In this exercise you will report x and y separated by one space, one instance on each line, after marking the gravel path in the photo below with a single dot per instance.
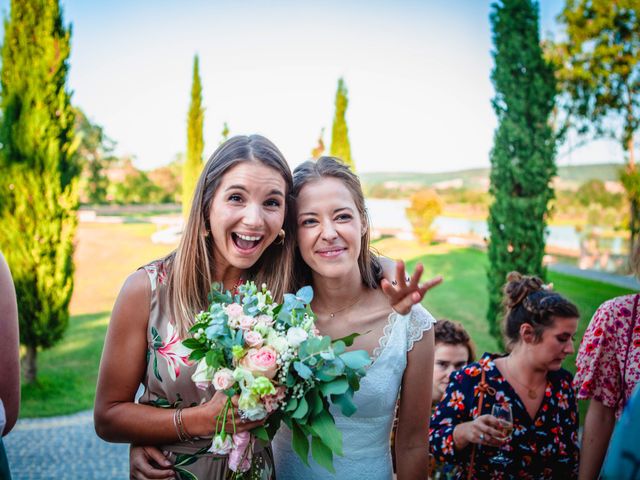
64 447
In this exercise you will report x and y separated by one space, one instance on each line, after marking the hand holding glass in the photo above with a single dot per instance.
502 411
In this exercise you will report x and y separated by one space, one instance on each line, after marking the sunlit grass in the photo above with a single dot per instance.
67 373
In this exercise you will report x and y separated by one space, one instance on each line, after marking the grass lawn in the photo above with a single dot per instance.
462 295
106 254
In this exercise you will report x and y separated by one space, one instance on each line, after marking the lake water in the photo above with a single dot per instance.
390 214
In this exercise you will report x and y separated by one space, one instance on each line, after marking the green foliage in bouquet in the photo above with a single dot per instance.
312 371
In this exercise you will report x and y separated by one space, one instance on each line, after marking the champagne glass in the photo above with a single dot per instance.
502 411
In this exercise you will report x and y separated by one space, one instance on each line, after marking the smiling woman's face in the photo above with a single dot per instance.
247 213
329 228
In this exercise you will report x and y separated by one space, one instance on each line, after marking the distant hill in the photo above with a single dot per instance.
477 177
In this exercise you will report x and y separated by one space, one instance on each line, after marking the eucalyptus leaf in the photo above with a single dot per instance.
345 402
336 387
333 368
304 371
325 343
328 355
305 294
356 359
339 347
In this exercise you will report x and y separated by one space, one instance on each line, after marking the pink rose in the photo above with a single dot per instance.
271 402
246 322
223 379
261 362
234 310
253 339
239 461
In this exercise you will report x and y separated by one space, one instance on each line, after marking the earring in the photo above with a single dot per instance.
281 235
206 233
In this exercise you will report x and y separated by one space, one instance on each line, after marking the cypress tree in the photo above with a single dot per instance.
522 158
340 146
195 143
38 171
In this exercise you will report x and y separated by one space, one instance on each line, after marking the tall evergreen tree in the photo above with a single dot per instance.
195 143
38 171
340 146
523 154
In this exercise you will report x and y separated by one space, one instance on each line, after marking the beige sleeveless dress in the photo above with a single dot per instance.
167 384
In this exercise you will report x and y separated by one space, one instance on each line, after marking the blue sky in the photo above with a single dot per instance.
417 74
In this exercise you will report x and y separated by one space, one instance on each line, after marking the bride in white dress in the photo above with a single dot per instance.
333 242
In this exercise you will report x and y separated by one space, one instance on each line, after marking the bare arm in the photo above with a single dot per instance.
117 418
9 347
412 438
598 426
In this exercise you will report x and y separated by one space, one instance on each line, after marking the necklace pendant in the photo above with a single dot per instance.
532 394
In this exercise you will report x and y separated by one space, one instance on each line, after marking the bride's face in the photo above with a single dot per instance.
329 228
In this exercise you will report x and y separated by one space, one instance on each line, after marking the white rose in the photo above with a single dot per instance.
296 335
223 379
252 414
221 446
276 341
203 375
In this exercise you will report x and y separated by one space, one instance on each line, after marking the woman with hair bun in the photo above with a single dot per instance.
539 329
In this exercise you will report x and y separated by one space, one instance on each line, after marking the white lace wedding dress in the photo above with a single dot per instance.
365 435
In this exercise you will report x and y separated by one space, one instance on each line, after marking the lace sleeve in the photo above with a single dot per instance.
420 321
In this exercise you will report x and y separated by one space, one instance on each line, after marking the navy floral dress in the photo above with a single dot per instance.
545 447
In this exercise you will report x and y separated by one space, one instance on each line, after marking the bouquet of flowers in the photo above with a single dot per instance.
273 357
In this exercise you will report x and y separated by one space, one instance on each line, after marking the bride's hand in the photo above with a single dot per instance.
404 292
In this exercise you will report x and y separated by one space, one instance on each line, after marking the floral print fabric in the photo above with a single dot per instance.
611 336
167 384
544 447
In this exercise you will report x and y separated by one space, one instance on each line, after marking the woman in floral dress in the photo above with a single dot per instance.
608 369
539 327
235 231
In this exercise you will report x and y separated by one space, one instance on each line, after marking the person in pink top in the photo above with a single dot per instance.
608 368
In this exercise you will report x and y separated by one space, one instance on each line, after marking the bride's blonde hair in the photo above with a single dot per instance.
191 269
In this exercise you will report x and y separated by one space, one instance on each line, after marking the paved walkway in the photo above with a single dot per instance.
626 281
64 447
